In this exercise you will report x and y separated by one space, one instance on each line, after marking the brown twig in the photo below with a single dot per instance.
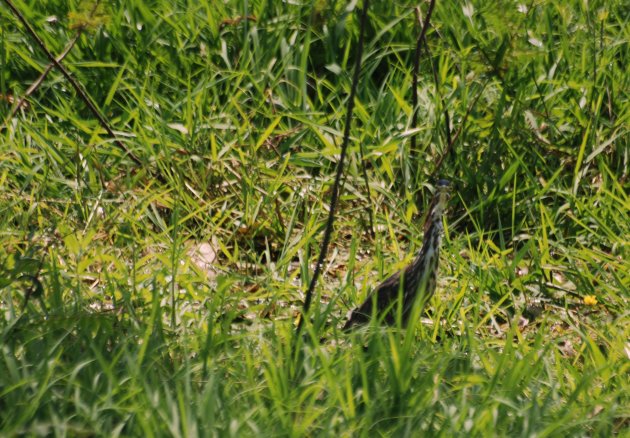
335 188
79 89
449 147
35 85
436 80
416 67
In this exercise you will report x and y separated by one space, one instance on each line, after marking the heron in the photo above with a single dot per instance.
407 291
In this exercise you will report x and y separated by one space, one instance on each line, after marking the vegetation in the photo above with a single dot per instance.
151 287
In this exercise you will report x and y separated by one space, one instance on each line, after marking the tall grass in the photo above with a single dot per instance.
113 324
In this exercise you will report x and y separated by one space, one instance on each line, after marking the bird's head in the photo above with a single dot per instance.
438 204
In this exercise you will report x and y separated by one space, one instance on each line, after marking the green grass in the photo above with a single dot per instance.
238 124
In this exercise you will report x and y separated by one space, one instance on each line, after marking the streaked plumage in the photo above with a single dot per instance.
418 279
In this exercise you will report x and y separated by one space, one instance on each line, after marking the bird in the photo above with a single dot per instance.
416 283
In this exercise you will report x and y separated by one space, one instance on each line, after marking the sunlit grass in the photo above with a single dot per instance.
114 324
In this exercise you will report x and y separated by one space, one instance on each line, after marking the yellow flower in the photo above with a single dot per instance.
590 300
